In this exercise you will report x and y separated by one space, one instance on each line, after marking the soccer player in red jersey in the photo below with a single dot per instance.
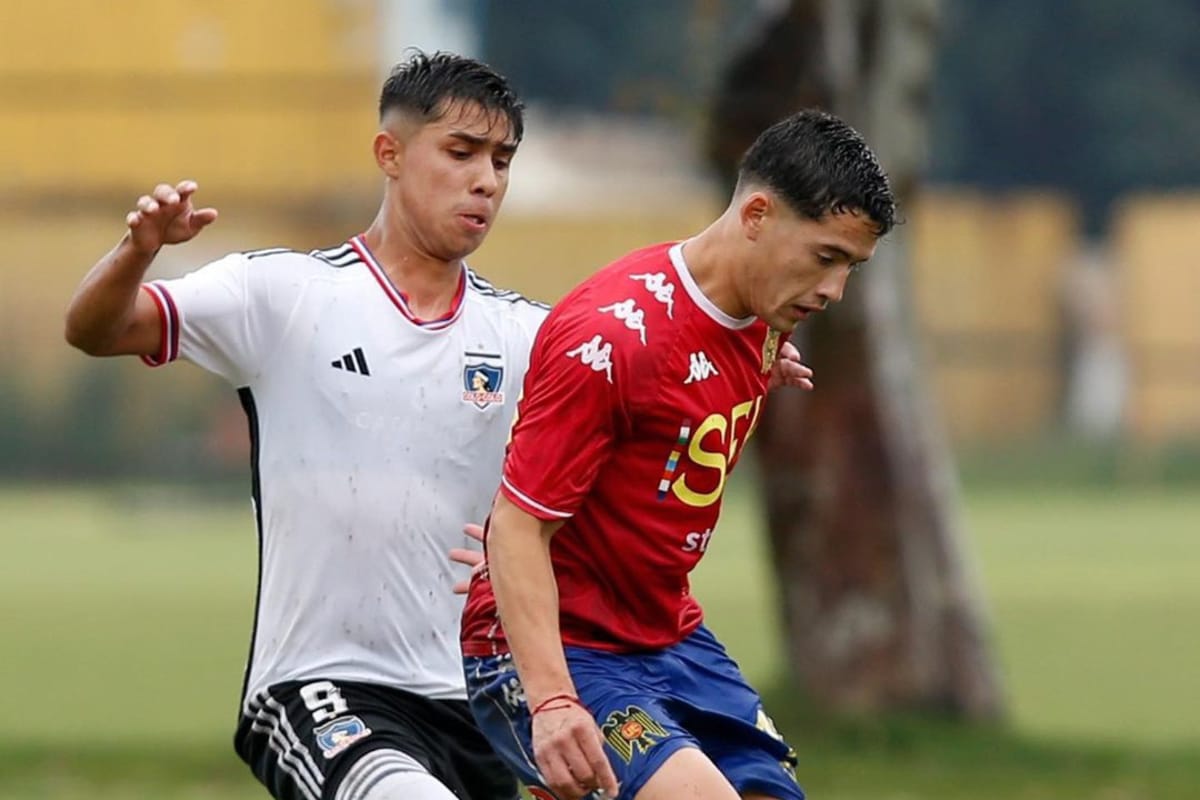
587 662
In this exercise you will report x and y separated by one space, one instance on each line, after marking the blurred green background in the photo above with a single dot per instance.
127 613
1056 275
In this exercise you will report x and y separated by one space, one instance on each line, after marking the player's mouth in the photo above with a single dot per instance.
800 312
474 222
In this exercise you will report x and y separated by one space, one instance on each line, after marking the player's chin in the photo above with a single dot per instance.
460 247
780 322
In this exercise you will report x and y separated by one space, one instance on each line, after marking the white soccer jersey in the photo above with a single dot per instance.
375 437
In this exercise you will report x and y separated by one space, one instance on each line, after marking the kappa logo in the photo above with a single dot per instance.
631 732
628 312
664 292
336 736
700 368
595 353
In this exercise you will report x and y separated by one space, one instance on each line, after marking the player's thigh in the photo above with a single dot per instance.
639 734
467 758
624 693
713 699
498 705
687 774
302 738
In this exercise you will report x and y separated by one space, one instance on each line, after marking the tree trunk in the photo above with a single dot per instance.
881 610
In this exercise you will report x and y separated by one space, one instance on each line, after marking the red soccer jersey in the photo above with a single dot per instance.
639 398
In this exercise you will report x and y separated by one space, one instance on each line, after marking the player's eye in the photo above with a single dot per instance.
501 164
460 155
825 260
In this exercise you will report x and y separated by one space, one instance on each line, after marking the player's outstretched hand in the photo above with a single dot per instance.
789 370
166 216
569 750
472 558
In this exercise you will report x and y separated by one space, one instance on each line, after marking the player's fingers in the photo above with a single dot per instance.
462 587
133 219
593 751
794 373
796 368
788 351
580 760
557 774
461 555
474 531
186 188
204 217
147 204
165 194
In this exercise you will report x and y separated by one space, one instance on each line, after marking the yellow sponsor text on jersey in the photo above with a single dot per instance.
733 430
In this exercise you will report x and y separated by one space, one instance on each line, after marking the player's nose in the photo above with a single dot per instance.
830 290
486 181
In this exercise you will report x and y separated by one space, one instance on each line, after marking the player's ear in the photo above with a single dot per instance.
752 212
388 153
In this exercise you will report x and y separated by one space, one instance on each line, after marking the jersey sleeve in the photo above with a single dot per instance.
218 317
574 408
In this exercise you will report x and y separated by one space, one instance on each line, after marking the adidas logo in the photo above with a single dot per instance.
352 362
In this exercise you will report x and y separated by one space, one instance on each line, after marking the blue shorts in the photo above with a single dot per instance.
648 705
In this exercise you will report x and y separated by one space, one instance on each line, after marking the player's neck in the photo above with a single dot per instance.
707 258
429 284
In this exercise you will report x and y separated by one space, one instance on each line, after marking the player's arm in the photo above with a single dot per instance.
527 598
108 315
568 746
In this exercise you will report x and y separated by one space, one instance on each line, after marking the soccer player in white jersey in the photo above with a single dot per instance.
379 378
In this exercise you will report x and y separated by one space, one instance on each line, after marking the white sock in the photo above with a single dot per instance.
390 775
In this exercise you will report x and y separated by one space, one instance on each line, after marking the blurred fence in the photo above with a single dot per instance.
270 105
990 287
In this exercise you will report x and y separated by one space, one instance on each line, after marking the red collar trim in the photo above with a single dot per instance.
398 297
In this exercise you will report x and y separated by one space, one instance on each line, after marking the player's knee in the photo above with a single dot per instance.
390 775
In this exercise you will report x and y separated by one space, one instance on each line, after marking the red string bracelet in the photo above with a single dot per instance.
564 700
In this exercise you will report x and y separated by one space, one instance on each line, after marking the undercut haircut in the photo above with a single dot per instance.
820 165
427 85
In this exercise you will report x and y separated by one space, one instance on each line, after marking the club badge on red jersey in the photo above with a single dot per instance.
770 350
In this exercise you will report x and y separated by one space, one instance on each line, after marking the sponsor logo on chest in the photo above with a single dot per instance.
711 447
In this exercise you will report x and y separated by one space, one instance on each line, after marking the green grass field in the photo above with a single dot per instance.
124 622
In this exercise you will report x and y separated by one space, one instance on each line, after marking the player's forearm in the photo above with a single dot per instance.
527 600
102 308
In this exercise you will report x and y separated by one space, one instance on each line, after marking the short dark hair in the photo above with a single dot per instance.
425 85
820 165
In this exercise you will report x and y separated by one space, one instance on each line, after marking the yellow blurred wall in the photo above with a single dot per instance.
987 275
260 96
271 103
1157 247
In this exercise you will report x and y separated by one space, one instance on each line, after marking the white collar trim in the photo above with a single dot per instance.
706 305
